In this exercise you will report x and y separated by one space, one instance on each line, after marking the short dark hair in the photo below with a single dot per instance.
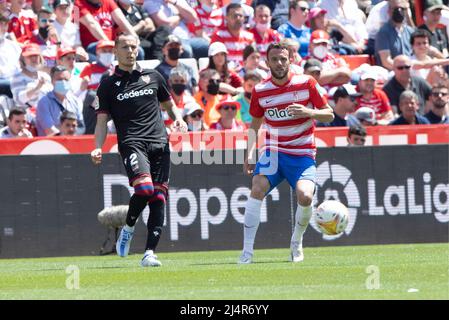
57 69
251 75
293 4
232 6
67 115
357 130
440 85
121 34
276 45
16 112
249 50
420 33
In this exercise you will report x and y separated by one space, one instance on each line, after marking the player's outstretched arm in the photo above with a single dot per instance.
101 130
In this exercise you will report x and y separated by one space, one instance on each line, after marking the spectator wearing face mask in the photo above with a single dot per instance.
105 57
29 85
207 96
263 34
250 80
335 70
172 51
393 38
177 82
193 116
47 38
54 103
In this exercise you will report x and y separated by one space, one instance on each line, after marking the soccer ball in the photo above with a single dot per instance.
331 217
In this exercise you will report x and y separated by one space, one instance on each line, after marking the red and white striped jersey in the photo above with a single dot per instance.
286 133
379 102
235 45
263 43
208 21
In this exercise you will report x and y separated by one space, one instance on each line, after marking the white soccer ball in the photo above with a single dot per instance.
331 217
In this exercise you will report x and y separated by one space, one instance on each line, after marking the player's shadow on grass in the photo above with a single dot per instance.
88 268
235 263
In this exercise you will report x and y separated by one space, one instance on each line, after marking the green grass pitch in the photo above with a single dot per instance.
413 271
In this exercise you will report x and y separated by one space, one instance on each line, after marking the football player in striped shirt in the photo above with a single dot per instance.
288 104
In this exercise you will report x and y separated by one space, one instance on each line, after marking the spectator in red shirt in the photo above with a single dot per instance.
218 60
263 34
335 70
22 23
234 37
228 111
374 98
98 19
210 17
47 38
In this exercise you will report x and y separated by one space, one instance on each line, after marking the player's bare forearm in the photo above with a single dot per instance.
325 114
173 112
101 130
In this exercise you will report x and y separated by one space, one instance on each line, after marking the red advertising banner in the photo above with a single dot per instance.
324 137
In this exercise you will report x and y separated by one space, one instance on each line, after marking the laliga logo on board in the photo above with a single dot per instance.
340 177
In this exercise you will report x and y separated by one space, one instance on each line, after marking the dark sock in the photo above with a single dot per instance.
136 205
155 223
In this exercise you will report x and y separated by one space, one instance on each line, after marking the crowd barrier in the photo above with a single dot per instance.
324 137
395 194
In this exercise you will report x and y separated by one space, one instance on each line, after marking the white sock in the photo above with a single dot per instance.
251 223
302 218
150 252
128 228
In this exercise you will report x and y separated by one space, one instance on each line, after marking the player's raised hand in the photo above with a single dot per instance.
180 126
96 156
248 168
299 111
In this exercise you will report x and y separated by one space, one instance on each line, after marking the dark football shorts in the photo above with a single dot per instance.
146 159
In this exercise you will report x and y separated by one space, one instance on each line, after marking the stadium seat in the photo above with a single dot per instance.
355 61
149 64
203 63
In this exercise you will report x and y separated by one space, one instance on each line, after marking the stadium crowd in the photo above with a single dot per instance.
54 54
